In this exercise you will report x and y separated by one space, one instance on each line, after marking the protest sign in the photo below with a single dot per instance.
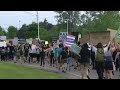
46 42
75 49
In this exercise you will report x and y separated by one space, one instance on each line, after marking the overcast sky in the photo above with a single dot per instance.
18 18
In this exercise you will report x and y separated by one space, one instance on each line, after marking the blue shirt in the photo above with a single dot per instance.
59 51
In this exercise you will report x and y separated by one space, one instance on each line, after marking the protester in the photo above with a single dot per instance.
63 57
69 60
12 52
26 51
84 61
17 54
38 53
21 48
42 57
59 59
56 55
33 53
51 56
100 60
30 54
108 62
93 57
117 60
3 54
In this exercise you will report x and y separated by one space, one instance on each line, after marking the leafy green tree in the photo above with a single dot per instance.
73 18
12 32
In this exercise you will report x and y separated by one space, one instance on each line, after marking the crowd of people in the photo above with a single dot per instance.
105 59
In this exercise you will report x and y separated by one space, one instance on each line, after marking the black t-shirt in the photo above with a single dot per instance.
85 55
42 54
11 49
64 54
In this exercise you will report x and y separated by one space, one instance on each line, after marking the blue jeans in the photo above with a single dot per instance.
69 63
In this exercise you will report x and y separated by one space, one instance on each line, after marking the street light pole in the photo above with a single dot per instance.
19 24
38 25
67 26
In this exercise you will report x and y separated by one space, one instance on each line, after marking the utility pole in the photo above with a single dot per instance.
67 26
38 25
19 24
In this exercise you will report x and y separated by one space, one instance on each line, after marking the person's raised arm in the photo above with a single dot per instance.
109 44
116 56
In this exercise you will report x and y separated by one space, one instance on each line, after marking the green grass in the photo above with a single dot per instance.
14 71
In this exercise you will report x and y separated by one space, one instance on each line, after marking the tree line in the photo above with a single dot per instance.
78 21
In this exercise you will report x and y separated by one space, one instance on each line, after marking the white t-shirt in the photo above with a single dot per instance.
34 48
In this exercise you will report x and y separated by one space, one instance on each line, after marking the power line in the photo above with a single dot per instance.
32 14
29 13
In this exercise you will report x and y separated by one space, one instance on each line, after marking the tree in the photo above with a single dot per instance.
33 30
12 32
72 16
2 32
99 20
23 32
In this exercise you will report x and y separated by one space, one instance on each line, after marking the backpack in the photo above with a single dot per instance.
100 55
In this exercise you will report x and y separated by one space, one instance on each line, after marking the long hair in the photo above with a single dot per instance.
99 45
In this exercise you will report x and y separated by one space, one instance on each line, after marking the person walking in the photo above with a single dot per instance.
84 61
63 57
108 63
12 52
93 58
42 57
69 60
26 50
38 53
21 47
99 60
17 54
7 50
59 59
56 55
117 60
3 54
51 56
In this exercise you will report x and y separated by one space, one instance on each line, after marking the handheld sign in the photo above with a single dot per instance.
46 42
75 49
70 40
117 35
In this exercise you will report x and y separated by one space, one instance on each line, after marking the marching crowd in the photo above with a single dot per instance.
105 59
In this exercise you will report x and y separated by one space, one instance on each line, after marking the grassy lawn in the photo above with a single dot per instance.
14 71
